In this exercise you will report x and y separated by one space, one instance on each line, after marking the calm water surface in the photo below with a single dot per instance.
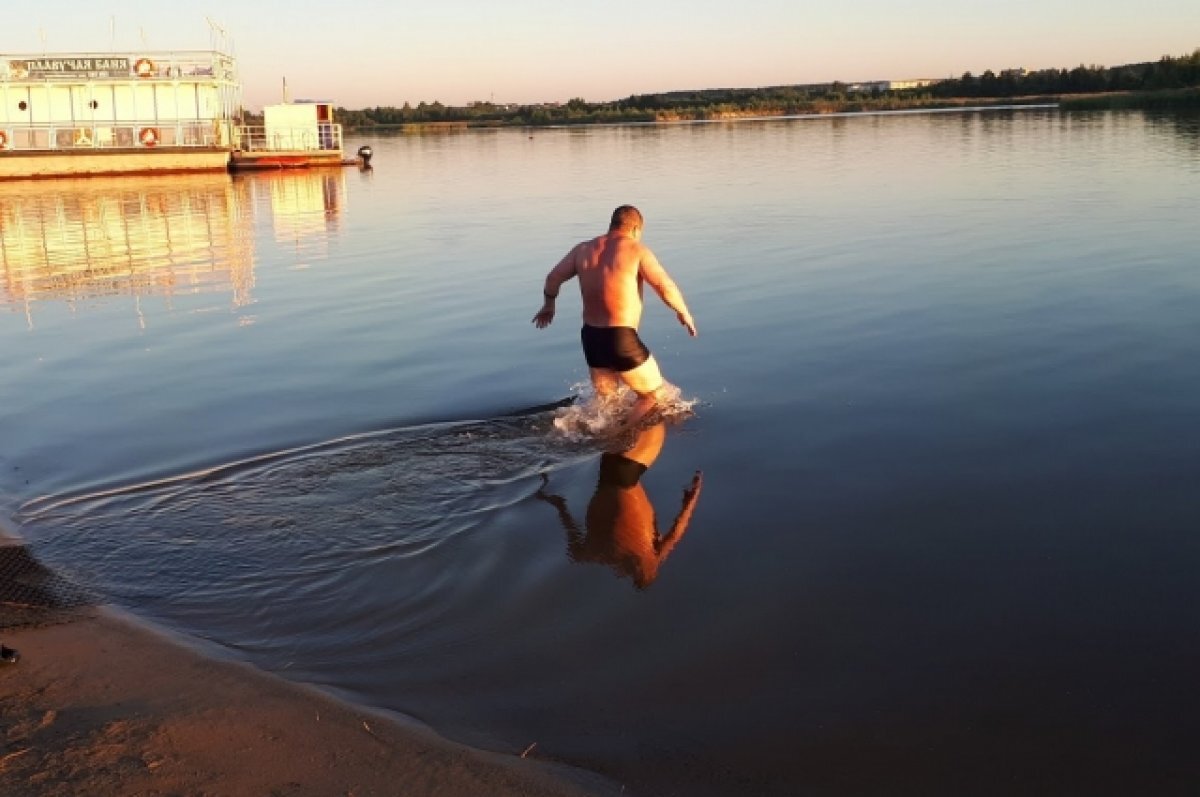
943 540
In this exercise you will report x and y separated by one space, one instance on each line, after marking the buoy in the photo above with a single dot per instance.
143 67
148 136
3 140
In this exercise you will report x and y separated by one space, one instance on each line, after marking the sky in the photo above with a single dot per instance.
365 54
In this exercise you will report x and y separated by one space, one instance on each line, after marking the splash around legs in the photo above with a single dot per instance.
610 410
645 380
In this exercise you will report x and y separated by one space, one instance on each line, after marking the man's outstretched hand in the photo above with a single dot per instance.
544 317
687 321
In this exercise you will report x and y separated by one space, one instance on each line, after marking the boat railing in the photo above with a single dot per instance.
202 133
272 138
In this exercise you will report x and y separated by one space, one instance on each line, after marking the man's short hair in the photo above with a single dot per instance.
626 217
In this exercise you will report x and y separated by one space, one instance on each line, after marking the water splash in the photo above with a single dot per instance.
595 418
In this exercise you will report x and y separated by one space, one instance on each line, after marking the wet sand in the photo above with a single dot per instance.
100 704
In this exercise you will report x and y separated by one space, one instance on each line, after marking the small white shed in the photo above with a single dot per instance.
300 126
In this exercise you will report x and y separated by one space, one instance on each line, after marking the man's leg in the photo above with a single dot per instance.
647 381
604 381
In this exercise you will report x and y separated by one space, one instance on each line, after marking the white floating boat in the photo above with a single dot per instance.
79 114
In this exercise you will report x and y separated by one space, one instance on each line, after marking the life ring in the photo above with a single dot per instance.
3 140
143 67
148 136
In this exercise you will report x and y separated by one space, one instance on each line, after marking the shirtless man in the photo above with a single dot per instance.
611 270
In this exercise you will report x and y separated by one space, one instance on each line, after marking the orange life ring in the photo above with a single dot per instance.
148 136
143 67
3 140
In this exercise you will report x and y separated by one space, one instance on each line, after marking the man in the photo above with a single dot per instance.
611 270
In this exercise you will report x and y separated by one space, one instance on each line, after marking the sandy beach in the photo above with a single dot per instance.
100 704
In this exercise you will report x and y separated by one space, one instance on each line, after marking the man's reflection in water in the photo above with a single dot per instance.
621 531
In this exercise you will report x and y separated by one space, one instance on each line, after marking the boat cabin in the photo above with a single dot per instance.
146 100
301 125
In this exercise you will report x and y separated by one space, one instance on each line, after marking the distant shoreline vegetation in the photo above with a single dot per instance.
1166 83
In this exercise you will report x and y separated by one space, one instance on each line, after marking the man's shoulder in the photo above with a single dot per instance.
643 251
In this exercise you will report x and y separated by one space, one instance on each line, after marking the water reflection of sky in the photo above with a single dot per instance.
86 240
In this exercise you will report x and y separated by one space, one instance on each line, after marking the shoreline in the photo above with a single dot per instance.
830 110
102 702
1183 99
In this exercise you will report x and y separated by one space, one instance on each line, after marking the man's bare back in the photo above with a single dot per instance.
612 269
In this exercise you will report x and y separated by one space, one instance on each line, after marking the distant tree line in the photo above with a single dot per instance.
695 105
577 111
1167 73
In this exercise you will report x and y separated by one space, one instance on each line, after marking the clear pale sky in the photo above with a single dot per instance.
365 53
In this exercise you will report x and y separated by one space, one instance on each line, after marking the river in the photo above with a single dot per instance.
928 528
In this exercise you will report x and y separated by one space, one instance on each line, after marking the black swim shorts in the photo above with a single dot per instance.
613 348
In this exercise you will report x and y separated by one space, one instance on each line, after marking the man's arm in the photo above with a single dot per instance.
554 280
658 279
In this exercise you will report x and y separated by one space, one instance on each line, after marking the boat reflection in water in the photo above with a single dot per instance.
305 205
83 240
621 530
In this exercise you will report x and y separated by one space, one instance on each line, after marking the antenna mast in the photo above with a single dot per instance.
217 37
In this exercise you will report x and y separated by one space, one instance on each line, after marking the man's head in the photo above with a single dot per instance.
626 218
